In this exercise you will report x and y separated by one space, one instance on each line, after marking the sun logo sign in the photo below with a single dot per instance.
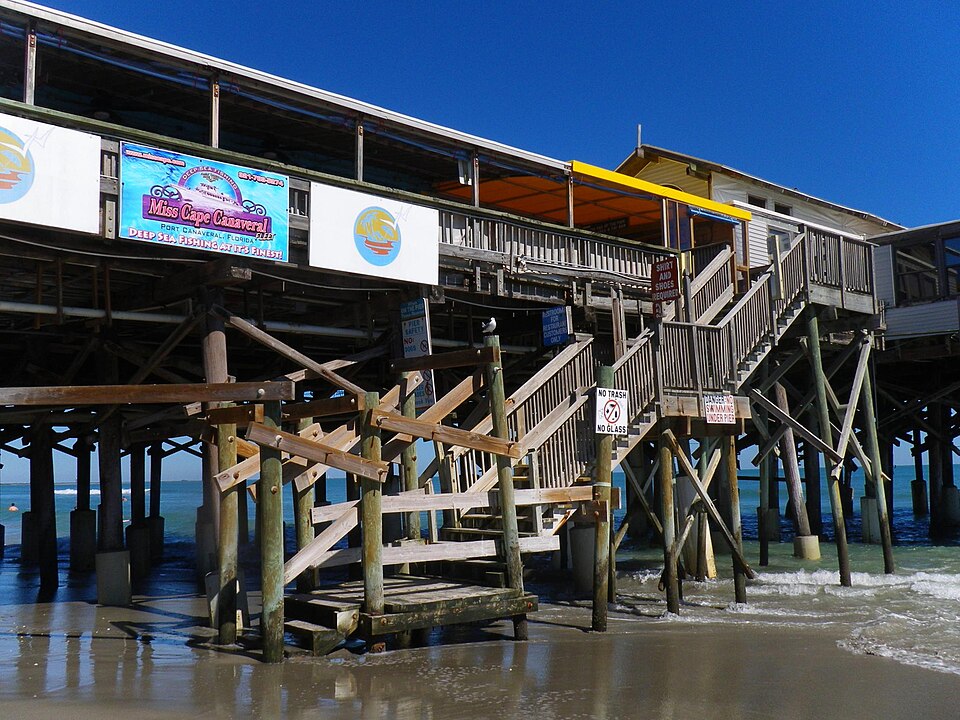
16 167
377 236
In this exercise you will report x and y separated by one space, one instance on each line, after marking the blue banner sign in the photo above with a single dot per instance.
557 326
173 199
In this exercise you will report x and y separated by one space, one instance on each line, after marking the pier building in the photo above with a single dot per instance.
204 258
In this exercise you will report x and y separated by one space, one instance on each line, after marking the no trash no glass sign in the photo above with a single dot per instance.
612 411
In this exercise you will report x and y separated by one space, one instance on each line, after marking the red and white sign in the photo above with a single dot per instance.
665 280
611 416
719 409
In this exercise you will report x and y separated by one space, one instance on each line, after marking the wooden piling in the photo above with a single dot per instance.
155 521
873 448
791 467
728 461
371 516
508 507
111 497
228 545
214 352
601 497
43 504
83 520
303 505
765 469
826 434
270 511
411 477
665 477
138 485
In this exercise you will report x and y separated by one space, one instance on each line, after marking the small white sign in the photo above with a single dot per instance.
611 416
719 409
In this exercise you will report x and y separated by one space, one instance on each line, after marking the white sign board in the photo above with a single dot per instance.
369 235
611 416
49 175
719 409
415 330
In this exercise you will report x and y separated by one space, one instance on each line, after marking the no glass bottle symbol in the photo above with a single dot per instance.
611 412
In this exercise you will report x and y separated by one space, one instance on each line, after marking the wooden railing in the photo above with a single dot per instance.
530 245
839 262
712 288
540 413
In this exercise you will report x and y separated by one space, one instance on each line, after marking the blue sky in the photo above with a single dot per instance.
854 102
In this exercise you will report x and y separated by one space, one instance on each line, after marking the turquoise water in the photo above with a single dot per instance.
912 616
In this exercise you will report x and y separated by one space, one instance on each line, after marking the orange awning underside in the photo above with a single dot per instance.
545 198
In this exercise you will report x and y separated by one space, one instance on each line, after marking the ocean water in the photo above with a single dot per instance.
912 616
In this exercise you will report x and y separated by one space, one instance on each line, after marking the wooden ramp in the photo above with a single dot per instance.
410 603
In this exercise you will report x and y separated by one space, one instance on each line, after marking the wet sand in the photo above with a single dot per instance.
73 659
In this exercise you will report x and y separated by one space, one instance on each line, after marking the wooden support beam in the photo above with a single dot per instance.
414 553
794 425
267 340
323 408
677 451
311 555
420 501
318 452
641 495
241 415
445 434
443 361
146 394
270 512
847 426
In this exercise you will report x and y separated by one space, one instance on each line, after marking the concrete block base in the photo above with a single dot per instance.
206 546
869 522
582 543
918 491
212 587
156 525
83 540
951 505
113 578
29 539
773 523
138 544
806 547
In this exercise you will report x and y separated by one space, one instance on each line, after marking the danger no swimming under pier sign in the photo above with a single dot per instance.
611 417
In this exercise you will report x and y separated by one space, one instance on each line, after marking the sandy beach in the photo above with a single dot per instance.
74 659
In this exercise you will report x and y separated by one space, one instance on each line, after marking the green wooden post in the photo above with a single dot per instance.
270 510
601 498
873 448
728 461
665 477
227 547
303 505
371 516
508 507
826 434
411 478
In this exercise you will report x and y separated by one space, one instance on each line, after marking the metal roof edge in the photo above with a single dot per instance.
717 167
107 32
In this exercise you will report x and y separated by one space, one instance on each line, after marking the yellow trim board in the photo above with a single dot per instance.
609 176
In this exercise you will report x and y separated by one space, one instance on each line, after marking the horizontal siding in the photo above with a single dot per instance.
670 172
883 274
936 318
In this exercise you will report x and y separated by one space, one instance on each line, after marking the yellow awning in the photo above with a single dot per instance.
598 175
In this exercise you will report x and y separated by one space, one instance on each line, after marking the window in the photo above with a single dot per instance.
916 268
756 201
782 209
951 262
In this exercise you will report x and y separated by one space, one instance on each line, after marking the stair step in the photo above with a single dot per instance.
317 639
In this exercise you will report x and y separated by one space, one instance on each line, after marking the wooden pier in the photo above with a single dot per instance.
276 363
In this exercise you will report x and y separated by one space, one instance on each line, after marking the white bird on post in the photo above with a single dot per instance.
489 326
